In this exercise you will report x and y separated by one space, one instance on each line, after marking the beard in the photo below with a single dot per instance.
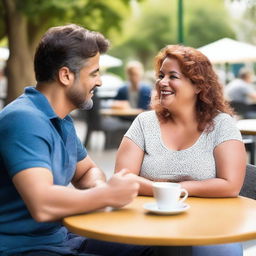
86 105
78 100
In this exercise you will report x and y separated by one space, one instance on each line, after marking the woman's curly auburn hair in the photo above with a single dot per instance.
196 67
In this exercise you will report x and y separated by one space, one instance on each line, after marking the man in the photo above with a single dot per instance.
241 89
135 92
241 94
40 153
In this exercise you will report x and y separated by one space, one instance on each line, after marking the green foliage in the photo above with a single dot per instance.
157 27
146 34
100 15
216 28
246 28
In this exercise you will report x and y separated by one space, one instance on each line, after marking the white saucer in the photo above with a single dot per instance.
152 207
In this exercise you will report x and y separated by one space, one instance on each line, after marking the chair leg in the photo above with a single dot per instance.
251 148
252 154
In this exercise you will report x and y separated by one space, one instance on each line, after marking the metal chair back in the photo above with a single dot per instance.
249 186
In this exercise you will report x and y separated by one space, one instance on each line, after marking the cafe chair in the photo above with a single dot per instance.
240 108
249 186
249 190
250 147
245 111
112 127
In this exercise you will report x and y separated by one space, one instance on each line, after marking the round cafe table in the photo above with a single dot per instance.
126 112
207 221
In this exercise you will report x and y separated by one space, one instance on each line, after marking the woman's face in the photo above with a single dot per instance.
173 88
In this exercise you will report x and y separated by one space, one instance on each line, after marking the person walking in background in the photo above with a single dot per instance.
189 137
41 154
134 93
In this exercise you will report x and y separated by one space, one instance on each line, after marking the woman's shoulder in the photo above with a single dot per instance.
223 116
225 121
147 115
146 118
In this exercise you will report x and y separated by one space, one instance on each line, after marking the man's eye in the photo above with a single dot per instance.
95 74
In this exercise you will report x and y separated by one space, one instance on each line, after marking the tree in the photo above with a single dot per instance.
157 27
245 27
207 23
24 21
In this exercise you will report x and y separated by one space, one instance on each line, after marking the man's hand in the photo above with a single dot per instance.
123 188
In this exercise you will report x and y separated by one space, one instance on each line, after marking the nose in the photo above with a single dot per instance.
163 82
99 81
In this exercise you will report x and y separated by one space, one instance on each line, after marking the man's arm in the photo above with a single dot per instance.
87 174
49 202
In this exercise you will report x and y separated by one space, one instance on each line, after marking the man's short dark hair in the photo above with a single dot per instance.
67 46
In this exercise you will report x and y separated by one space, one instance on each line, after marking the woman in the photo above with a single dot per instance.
189 137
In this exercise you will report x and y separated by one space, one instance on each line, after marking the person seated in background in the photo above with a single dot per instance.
189 137
241 89
134 93
241 93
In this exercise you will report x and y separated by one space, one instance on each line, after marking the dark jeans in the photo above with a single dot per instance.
92 247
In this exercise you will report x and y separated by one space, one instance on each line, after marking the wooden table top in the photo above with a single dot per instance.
247 126
121 112
207 221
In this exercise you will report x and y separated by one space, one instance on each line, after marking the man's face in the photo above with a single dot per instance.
134 75
81 92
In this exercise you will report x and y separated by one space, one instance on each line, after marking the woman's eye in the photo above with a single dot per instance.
173 77
160 76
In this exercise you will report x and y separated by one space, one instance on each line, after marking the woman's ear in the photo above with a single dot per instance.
66 77
197 90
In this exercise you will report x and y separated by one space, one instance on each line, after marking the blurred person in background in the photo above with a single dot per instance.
241 93
134 93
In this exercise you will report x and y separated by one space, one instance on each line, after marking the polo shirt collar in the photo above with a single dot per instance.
40 101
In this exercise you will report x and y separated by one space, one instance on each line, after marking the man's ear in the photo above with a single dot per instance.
66 77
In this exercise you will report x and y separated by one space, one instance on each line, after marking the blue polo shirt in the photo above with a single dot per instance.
32 135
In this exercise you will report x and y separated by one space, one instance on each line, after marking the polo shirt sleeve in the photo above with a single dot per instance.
25 142
81 150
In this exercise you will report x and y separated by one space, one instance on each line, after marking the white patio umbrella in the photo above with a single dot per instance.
227 50
107 61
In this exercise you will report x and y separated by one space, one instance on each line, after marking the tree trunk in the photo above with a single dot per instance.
20 63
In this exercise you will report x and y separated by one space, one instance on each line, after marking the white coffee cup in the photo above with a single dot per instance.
167 195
